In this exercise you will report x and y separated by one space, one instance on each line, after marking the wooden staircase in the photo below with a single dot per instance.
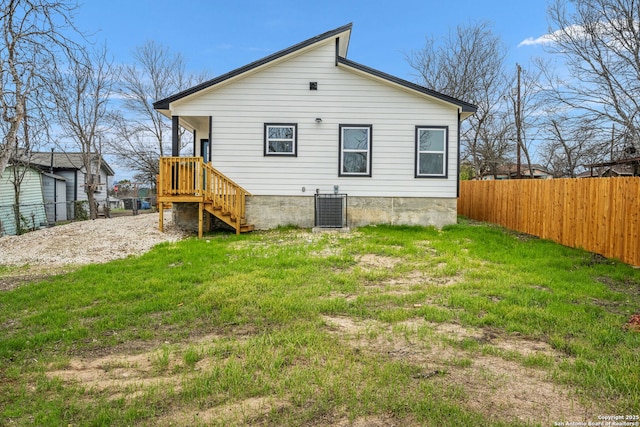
189 180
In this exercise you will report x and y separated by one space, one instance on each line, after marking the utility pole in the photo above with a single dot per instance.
613 134
518 125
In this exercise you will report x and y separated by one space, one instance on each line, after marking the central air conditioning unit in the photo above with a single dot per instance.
330 210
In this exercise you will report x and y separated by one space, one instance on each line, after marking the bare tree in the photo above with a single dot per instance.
143 134
27 140
600 42
469 65
81 93
32 35
571 142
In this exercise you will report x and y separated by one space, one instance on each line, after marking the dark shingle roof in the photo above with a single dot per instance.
63 161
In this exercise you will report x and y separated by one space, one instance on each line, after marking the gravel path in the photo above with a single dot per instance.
86 242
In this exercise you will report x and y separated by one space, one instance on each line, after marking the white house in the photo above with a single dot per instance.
308 120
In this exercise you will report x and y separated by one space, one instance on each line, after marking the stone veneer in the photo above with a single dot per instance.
266 212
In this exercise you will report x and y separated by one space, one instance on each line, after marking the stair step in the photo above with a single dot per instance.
228 219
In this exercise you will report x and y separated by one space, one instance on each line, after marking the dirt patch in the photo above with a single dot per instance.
117 375
513 343
135 366
409 283
415 278
634 323
17 278
370 421
372 261
627 286
162 368
244 412
499 389
504 390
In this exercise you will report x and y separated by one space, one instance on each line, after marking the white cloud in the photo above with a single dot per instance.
576 31
542 40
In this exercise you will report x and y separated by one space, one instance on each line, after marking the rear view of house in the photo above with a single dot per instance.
274 137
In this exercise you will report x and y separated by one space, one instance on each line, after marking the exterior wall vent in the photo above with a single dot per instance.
330 210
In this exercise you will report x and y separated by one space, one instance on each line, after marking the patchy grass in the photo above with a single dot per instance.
469 325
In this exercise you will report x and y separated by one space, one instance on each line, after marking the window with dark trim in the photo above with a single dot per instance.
432 143
280 139
355 150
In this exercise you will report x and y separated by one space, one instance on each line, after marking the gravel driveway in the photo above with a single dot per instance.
57 248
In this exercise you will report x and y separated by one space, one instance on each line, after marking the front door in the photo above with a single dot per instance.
205 150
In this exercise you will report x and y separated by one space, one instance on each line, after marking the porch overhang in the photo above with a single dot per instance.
190 123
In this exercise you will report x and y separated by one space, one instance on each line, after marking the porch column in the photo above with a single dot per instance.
194 143
175 136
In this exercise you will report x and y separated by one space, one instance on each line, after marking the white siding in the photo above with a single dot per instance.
54 193
70 183
280 94
77 179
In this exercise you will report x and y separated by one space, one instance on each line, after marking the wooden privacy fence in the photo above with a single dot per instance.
600 215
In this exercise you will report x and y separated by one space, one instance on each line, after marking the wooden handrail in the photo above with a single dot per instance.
191 176
178 176
224 192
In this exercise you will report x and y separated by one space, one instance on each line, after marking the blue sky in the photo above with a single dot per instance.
219 36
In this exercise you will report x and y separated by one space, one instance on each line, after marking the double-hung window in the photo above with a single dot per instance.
355 150
431 151
280 139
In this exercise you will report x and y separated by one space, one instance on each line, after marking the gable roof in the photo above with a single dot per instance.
341 60
163 104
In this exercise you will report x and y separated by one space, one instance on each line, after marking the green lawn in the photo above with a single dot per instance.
469 325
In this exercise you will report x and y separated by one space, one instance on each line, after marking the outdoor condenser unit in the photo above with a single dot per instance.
331 210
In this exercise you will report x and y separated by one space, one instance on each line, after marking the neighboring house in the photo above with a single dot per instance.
115 203
70 167
511 172
32 212
624 167
308 120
